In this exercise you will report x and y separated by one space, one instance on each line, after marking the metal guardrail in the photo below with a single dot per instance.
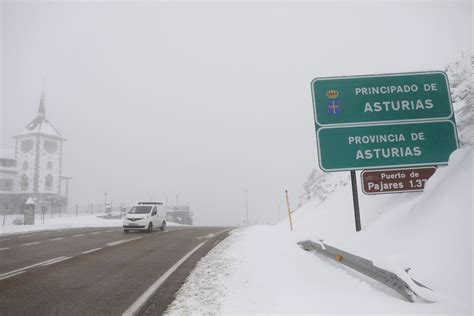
366 267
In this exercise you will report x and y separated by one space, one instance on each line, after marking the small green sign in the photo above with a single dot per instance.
381 98
387 146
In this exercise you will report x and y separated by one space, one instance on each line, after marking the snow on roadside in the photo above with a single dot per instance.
57 223
204 288
262 270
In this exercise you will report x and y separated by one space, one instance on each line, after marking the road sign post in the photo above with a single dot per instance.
355 200
383 121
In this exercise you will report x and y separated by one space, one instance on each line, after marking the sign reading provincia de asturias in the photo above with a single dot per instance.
377 121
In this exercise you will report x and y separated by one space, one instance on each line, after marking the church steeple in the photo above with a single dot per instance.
40 125
41 109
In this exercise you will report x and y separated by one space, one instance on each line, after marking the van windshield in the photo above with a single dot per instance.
141 209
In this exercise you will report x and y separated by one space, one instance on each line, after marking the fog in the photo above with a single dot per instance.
202 101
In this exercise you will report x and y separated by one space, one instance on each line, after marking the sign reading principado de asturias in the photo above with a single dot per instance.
383 121
381 98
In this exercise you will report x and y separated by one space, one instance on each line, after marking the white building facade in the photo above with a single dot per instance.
36 170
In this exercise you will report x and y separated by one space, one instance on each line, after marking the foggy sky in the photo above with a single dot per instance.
203 100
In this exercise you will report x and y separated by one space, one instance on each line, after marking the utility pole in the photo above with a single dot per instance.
247 206
105 201
289 210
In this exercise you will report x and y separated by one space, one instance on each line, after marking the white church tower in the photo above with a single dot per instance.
38 152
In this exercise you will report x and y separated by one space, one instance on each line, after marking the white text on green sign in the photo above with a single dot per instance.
381 98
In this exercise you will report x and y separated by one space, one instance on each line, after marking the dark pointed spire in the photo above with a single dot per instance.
41 109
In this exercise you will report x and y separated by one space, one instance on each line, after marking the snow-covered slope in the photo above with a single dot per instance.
260 269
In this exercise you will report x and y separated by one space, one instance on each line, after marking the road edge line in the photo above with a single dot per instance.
135 307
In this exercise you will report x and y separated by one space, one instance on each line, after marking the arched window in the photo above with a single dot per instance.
24 182
48 182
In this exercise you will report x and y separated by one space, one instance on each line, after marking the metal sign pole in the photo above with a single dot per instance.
355 198
289 210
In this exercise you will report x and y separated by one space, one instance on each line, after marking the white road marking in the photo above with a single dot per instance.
11 275
108 231
118 242
24 236
57 238
208 236
152 289
32 243
33 265
78 235
92 250
225 230
4 239
59 260
95 233
4 249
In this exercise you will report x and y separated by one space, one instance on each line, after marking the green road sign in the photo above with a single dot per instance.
388 146
381 98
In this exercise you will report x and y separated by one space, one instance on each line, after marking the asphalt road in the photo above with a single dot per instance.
98 271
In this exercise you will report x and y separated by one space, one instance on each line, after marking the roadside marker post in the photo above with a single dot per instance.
289 210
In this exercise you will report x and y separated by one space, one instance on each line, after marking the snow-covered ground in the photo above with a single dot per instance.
260 269
66 221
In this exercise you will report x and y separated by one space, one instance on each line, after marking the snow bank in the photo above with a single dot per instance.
430 232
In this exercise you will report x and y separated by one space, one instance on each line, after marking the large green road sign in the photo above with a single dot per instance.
383 121
381 98
387 146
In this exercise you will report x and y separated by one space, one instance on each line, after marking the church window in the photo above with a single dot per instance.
50 165
50 146
24 182
25 165
26 145
48 182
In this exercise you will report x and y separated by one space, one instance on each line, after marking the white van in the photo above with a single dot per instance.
145 216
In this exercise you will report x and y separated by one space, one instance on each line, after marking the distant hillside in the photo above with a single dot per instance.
460 80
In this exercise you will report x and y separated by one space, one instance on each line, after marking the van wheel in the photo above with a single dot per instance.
125 231
150 228
163 225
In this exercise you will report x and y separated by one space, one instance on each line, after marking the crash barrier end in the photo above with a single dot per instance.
410 289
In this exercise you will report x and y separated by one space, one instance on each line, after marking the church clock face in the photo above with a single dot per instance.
26 145
50 146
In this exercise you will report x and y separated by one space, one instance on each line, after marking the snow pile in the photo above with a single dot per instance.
429 232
